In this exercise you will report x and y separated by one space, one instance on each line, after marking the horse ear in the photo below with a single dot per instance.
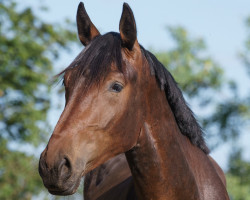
127 27
86 29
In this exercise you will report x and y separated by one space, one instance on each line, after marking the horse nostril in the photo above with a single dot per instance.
65 168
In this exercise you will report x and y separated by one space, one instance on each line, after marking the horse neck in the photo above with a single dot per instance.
158 163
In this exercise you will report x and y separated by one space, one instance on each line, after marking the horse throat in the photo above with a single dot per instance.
158 164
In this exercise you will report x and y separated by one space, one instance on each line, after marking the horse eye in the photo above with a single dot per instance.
116 87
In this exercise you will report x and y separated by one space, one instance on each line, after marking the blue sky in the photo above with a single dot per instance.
219 23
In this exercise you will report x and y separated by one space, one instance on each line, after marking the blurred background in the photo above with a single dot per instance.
204 44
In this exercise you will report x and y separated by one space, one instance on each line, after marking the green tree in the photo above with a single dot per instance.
238 177
28 48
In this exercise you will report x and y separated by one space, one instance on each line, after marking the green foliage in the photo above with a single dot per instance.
238 177
237 190
28 47
18 175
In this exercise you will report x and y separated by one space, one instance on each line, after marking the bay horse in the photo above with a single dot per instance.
126 126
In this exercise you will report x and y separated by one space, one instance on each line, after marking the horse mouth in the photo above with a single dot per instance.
65 190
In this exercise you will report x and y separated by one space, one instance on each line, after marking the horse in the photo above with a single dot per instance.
126 126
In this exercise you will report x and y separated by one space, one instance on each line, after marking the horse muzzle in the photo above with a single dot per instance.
60 178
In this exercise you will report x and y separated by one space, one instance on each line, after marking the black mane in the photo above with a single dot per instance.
95 61
184 116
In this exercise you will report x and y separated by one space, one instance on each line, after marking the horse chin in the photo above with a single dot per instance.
69 188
